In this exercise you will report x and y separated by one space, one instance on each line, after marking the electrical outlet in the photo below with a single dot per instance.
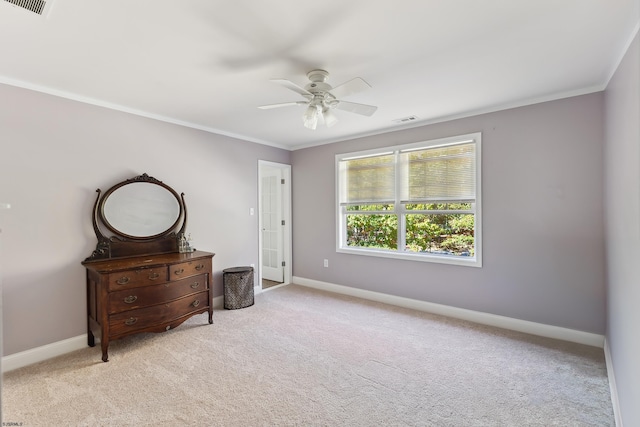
326 263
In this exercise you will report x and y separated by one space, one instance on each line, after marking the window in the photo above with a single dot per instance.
418 201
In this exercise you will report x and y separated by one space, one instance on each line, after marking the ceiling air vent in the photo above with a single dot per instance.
36 6
405 119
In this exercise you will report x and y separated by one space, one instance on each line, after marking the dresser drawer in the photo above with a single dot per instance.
139 277
189 268
129 299
141 318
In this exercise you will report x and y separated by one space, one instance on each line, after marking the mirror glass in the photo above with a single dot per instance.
141 209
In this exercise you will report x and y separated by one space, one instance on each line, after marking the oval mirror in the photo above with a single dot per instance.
141 210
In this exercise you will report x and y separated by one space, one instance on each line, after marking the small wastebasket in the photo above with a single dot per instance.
238 287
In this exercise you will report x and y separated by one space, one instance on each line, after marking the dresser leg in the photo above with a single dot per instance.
105 348
91 339
210 316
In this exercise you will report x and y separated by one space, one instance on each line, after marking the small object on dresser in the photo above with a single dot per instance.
183 244
190 247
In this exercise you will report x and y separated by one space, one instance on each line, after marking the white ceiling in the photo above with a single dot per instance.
207 63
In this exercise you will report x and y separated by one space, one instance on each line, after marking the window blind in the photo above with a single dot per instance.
367 180
445 173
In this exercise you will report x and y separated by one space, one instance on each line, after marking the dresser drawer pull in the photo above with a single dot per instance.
199 267
196 303
123 280
131 321
130 299
195 285
153 276
178 272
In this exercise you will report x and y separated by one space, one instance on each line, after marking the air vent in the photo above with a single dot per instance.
406 119
35 6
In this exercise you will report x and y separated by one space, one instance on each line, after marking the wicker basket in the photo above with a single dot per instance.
238 287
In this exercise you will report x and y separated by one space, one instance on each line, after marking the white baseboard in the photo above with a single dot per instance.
525 326
612 384
39 354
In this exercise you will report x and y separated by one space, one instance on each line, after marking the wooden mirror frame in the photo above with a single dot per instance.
125 244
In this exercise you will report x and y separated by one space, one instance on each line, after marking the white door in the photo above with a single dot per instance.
272 224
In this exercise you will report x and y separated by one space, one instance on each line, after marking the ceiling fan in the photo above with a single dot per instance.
321 98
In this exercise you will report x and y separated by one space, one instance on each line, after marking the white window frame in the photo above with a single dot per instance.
341 213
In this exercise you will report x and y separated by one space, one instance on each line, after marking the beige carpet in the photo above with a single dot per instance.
301 357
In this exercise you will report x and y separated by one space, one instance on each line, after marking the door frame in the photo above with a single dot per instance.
286 213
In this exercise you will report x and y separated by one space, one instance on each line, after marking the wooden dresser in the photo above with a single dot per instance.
151 293
143 276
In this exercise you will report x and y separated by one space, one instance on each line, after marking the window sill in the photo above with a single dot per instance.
434 258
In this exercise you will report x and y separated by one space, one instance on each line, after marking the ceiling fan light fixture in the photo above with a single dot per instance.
330 119
321 98
310 117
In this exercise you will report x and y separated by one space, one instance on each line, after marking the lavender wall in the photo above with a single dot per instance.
622 201
56 152
542 194
543 232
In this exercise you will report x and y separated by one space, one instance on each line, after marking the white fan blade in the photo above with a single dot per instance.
294 87
283 104
352 107
349 88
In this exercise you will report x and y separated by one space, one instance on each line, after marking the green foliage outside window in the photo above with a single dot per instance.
442 233
373 231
